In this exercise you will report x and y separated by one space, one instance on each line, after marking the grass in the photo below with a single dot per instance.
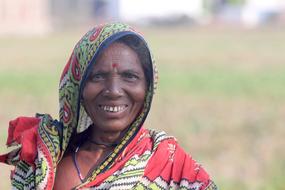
227 82
220 94
34 83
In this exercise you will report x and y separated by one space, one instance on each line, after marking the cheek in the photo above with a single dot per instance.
85 93
90 91
139 95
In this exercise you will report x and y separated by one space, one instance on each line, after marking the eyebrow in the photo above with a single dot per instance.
130 71
98 72
122 71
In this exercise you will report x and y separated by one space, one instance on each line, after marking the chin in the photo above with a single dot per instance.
113 127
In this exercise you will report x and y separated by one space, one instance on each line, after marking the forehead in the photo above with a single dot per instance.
118 55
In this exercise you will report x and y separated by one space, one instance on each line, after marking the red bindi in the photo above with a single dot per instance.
114 65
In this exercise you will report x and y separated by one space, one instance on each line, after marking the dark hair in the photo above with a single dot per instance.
140 47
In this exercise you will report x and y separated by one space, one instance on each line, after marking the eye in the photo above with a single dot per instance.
96 77
129 76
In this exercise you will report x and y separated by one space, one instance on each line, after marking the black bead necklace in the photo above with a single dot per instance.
109 145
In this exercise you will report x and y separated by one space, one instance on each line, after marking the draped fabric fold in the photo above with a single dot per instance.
37 149
23 132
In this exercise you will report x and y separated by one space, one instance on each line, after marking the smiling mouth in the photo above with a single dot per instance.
113 109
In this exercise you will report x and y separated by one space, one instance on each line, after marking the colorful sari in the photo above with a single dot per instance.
144 159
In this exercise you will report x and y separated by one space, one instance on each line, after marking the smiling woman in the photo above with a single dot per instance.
106 91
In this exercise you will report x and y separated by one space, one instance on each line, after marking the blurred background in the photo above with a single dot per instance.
222 73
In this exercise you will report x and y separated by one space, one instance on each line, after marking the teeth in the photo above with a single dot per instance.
112 108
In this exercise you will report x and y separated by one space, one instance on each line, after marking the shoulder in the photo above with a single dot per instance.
159 137
170 163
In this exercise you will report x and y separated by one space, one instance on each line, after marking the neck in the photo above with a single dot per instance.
107 139
103 144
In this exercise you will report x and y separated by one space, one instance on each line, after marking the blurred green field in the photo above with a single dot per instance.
221 94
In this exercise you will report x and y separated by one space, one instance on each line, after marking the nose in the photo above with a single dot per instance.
113 88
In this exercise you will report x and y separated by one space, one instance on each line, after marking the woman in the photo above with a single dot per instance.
106 90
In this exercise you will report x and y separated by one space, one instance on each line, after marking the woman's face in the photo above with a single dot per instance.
115 90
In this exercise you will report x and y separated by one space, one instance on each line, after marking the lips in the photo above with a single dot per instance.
113 109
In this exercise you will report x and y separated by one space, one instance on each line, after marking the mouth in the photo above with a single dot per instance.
113 109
